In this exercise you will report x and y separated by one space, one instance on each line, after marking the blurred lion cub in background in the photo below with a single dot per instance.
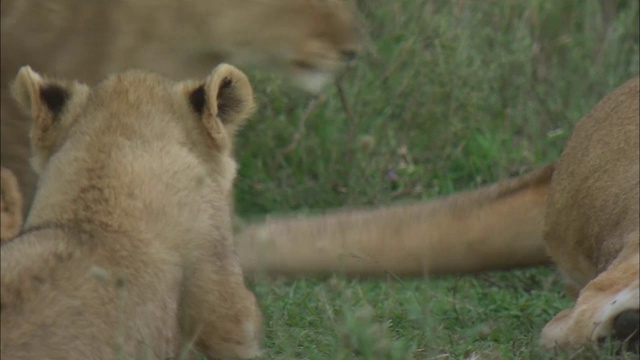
309 41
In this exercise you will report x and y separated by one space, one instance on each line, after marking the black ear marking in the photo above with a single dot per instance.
226 83
228 102
197 100
54 97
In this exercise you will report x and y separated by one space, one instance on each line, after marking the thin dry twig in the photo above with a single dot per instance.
311 106
347 110
403 52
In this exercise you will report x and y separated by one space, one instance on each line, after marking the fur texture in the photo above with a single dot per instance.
592 221
11 205
105 267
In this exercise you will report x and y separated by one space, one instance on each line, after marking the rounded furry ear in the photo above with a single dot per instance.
224 102
45 100
49 103
25 90
230 94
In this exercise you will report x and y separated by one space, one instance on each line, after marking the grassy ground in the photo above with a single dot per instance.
449 95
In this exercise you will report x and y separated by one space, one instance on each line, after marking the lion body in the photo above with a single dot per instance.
592 222
592 204
105 267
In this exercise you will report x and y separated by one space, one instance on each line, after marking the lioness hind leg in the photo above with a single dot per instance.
223 319
11 205
606 307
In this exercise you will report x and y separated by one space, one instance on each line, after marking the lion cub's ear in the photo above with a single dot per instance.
49 103
224 101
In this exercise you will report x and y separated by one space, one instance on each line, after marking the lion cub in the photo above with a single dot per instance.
128 251
307 41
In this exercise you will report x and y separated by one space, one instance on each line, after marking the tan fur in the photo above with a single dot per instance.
497 226
11 205
593 219
591 216
106 267
307 40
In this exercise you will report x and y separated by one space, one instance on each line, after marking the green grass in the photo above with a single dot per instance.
449 95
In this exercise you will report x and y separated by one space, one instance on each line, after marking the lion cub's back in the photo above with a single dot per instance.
63 297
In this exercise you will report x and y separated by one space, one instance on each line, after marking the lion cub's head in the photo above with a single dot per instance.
310 41
135 129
